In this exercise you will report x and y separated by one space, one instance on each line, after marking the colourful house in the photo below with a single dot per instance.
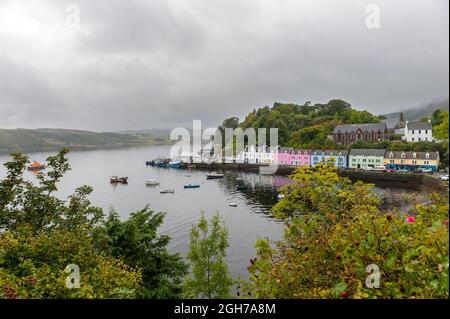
412 161
366 158
336 157
292 157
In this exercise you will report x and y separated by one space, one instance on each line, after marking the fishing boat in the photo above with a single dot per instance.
214 176
118 180
175 164
191 186
233 204
167 191
151 182
36 166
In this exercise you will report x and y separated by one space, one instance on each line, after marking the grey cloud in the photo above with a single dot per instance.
143 64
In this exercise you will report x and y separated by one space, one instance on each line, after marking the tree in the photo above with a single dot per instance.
441 128
335 230
207 250
137 242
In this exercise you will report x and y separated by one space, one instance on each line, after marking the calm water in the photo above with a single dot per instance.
247 222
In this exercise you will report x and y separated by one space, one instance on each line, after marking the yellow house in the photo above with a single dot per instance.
411 161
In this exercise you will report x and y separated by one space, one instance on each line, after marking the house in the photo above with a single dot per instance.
259 155
411 161
418 131
290 156
346 134
336 157
399 128
366 158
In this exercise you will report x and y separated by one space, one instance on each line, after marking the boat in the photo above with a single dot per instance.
239 179
187 175
233 204
175 164
191 186
167 191
118 180
36 166
151 182
241 187
214 176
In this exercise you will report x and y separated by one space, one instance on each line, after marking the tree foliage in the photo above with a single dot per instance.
209 276
335 229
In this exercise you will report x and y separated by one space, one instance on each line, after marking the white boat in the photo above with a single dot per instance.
151 182
233 204
167 191
214 176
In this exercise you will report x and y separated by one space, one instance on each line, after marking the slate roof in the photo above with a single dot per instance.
330 152
410 155
367 152
348 128
419 126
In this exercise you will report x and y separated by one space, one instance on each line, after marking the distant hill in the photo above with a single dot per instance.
35 140
413 114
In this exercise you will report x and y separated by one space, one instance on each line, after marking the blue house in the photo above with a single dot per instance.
337 157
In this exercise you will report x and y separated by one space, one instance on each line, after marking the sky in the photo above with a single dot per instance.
107 65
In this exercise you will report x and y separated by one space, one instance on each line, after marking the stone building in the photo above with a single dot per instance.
346 134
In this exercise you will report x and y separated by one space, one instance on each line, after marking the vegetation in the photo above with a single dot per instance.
209 275
22 140
335 233
40 235
303 126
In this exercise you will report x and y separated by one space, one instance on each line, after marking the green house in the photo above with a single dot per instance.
366 158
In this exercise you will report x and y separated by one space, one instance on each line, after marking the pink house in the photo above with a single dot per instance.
289 156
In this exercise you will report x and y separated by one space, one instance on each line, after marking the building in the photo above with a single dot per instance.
366 158
399 128
336 157
259 155
411 161
346 134
289 156
418 131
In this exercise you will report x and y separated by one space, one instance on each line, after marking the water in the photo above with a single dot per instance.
247 222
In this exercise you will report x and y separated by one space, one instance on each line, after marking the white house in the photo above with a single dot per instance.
258 155
418 131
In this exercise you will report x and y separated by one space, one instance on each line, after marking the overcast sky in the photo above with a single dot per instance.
135 64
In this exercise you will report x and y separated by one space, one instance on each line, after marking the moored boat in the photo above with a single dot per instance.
118 180
175 164
151 182
233 204
36 166
191 186
214 176
167 191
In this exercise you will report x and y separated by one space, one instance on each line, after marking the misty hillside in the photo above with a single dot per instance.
416 113
33 140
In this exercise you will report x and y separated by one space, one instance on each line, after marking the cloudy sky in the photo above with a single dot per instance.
134 64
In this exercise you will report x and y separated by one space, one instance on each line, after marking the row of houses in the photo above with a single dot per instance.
347 134
355 158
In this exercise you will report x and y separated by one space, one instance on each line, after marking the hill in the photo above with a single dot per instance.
34 140
307 125
414 114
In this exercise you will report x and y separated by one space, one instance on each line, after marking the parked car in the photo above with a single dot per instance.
427 170
444 178
381 168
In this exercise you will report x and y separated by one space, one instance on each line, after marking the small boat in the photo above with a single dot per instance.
36 166
191 186
233 204
118 180
167 191
241 187
187 175
239 179
175 164
214 176
151 182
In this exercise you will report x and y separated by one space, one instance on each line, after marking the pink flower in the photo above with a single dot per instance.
446 222
410 219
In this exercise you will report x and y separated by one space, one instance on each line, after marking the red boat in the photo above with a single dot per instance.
118 180
36 166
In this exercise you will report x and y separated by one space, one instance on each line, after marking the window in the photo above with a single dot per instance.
412 139
391 155
420 131
427 155
392 161
403 155
426 162
412 131
419 139
402 162
414 155
414 162
353 159
426 131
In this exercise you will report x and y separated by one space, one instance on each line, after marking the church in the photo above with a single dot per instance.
346 134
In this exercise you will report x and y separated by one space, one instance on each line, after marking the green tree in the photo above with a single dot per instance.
137 242
334 229
209 276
